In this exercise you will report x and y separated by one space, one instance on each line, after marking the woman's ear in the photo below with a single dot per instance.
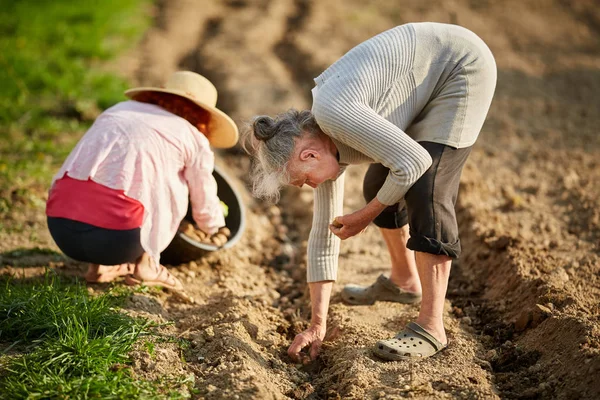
309 153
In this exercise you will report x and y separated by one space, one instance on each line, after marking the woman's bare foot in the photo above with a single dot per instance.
146 272
107 273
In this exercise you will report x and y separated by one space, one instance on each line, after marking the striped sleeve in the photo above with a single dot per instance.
360 127
323 245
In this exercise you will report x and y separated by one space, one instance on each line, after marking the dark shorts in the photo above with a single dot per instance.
428 207
89 243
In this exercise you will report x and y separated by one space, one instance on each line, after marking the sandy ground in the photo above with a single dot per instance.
523 312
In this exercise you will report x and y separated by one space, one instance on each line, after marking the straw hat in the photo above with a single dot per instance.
195 87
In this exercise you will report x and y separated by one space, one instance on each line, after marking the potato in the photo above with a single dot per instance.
186 227
222 237
217 241
225 231
194 233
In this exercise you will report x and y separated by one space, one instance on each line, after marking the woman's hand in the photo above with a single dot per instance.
320 292
311 338
352 224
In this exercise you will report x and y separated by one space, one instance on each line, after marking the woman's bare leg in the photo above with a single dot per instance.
404 273
434 271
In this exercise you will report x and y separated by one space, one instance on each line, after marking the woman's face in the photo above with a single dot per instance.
312 166
310 175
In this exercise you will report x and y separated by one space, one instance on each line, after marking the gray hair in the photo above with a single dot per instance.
271 142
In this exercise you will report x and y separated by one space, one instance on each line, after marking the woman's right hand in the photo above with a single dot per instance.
313 339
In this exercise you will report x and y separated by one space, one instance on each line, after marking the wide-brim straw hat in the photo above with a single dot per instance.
223 132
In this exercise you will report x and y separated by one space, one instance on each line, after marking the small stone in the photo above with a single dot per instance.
539 314
483 363
491 354
274 211
523 320
211 388
535 368
502 243
198 341
467 320
561 275
209 332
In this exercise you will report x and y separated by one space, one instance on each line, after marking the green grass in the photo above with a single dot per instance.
76 345
43 310
52 58
57 341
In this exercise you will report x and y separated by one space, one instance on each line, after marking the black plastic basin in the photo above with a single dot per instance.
184 249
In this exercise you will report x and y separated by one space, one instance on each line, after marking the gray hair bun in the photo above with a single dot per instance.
264 127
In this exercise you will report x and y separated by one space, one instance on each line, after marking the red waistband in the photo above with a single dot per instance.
94 204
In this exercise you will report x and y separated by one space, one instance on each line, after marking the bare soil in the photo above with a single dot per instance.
523 308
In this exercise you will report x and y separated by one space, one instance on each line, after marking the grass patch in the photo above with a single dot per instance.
52 54
36 311
78 344
57 341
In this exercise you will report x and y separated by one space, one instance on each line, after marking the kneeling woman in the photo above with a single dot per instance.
411 101
120 196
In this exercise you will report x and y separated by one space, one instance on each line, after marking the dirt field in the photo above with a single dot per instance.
523 309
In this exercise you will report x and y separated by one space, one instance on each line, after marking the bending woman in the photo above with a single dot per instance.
411 101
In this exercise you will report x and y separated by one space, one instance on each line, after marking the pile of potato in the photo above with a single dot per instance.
193 232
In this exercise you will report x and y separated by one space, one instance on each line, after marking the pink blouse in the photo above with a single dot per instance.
156 158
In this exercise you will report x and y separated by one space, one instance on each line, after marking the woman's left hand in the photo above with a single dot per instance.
352 224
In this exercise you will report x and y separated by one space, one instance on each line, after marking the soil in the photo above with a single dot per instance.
523 307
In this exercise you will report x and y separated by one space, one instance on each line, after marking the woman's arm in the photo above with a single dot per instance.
322 258
320 293
323 245
206 209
